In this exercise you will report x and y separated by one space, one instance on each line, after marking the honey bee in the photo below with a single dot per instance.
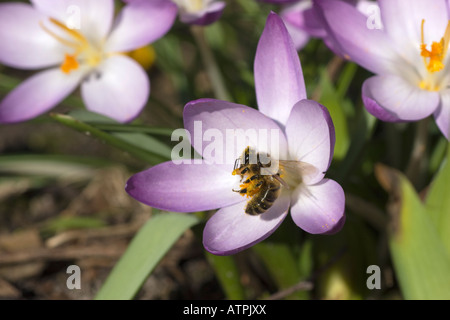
264 189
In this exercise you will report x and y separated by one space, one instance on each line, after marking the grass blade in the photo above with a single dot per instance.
146 249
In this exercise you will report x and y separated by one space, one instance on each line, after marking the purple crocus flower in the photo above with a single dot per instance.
300 20
408 55
303 23
78 42
304 137
200 12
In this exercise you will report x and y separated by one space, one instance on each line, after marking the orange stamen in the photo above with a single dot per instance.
70 63
433 59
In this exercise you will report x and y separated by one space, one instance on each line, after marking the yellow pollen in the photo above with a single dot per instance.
251 187
197 4
77 42
428 86
433 59
70 63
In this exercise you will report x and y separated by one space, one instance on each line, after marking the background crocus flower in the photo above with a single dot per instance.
302 21
78 42
306 134
409 56
200 12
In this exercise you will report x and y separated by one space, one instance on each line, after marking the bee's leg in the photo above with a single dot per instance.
241 191
259 184
255 176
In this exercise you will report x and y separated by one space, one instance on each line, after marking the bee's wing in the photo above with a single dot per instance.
280 180
297 168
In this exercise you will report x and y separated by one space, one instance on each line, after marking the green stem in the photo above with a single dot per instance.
121 144
211 66
228 275
417 161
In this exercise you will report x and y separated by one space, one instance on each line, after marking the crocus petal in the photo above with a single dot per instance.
369 47
279 80
38 94
139 23
391 98
442 114
184 187
231 128
319 208
299 37
119 89
92 18
211 14
23 43
304 17
405 28
231 230
311 137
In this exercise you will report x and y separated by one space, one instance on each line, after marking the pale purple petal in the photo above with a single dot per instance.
374 108
347 27
231 128
205 17
392 98
231 230
92 18
371 10
119 89
23 43
405 28
442 114
299 37
319 208
311 137
279 79
38 94
184 187
304 17
139 23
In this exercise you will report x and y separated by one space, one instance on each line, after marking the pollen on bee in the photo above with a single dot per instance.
251 188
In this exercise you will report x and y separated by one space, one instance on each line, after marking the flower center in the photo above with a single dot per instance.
82 50
258 171
192 5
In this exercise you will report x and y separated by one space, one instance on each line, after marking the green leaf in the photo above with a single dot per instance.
133 134
420 259
134 128
50 166
346 78
146 249
62 223
342 261
145 142
335 105
90 117
228 275
278 253
438 202
148 156
281 264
